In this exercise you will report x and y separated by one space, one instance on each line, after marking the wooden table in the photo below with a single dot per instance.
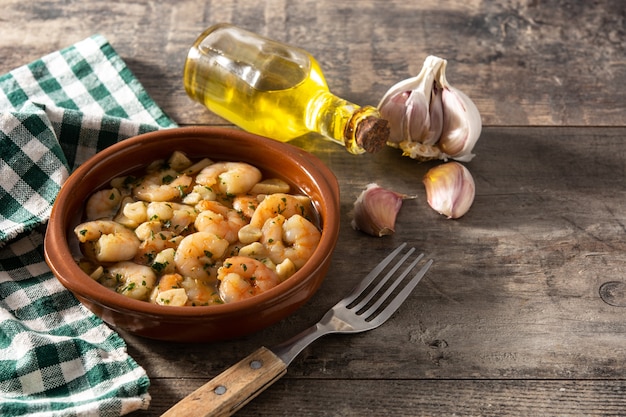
523 312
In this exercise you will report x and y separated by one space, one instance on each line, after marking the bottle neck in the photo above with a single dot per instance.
359 129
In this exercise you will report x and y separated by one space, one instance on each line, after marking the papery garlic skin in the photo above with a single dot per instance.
450 189
429 118
375 210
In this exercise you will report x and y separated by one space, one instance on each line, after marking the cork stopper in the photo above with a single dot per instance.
372 134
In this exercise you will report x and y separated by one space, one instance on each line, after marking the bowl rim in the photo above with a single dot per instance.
57 256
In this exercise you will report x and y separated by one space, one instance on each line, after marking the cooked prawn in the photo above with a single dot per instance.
246 204
131 213
173 216
197 255
201 292
286 205
155 244
294 238
242 277
134 281
220 220
230 177
164 185
107 241
147 230
103 204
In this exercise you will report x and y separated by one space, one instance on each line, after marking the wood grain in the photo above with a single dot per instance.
427 398
231 390
522 313
570 54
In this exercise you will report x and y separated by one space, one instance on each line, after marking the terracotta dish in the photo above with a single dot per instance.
302 170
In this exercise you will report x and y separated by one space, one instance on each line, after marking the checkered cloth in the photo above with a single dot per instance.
56 357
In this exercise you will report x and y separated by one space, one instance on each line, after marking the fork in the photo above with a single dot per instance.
365 308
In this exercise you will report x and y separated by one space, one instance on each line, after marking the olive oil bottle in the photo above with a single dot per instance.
275 90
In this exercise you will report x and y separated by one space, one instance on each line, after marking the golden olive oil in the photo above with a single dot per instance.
269 88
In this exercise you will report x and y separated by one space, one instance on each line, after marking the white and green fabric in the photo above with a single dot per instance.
56 357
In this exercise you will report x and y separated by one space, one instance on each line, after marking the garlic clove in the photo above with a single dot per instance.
417 118
376 209
396 114
461 123
450 189
436 117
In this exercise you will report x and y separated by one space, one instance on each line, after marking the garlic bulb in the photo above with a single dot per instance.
450 189
376 209
430 119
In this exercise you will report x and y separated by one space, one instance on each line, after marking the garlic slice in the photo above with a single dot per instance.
429 118
450 189
376 209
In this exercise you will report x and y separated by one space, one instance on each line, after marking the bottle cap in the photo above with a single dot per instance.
372 134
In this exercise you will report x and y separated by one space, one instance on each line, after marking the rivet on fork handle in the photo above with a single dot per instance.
228 392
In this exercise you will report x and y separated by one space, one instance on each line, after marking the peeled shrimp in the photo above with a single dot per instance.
201 292
134 281
242 277
230 177
107 240
132 213
174 216
220 220
246 204
198 253
165 185
157 243
154 240
286 205
294 238
103 204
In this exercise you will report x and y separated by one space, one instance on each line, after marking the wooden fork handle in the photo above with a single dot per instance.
228 392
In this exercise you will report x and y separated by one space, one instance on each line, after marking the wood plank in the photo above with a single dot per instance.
523 63
415 398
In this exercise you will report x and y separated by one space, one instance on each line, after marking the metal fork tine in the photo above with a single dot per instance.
382 282
371 276
341 319
392 287
401 296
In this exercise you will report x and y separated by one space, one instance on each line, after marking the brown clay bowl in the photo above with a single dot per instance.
194 324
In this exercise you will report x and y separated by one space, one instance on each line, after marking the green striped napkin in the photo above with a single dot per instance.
56 357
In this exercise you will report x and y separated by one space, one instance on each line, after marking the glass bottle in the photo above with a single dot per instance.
275 90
